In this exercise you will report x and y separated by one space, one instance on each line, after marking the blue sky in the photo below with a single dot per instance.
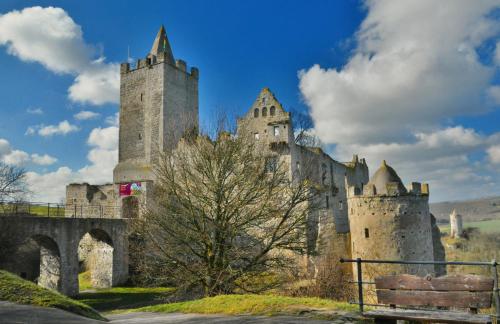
381 79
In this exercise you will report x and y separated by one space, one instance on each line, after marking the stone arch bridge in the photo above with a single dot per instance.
59 239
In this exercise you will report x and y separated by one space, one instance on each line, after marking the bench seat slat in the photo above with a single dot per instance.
445 283
460 299
428 316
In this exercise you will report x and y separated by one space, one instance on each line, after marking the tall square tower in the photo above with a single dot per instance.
158 105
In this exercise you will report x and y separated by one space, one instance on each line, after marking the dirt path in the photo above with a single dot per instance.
15 314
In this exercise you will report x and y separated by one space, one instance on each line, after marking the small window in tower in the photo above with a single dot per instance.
272 111
256 136
367 233
341 205
140 136
264 112
256 112
276 131
297 166
142 96
327 201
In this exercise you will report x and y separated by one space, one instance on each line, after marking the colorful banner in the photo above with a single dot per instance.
130 189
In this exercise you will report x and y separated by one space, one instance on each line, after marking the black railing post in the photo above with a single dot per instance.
495 289
48 209
74 214
360 284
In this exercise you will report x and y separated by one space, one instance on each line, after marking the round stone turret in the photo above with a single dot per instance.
389 222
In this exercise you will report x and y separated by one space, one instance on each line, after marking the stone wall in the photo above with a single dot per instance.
158 104
391 228
58 239
85 200
271 126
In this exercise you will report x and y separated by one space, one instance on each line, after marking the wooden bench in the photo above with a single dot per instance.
470 292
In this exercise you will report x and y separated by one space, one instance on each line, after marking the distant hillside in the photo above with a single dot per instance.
471 210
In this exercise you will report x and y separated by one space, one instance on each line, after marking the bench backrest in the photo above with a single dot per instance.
461 291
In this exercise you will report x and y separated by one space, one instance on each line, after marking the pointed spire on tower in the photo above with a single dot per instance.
161 45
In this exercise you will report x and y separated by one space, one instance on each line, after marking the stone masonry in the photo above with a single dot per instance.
159 104
59 239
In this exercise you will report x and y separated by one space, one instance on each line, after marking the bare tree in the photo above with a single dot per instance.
12 182
303 128
224 212
12 187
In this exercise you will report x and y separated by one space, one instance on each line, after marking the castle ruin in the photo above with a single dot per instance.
377 218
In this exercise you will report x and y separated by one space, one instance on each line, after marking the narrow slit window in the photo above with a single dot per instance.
276 131
367 233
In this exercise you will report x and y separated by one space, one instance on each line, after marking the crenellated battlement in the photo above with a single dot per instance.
149 62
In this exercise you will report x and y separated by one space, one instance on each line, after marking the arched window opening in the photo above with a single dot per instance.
264 112
272 111
256 113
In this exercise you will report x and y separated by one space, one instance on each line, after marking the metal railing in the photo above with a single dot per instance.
59 210
359 262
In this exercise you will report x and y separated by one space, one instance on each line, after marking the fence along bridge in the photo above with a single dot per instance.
59 239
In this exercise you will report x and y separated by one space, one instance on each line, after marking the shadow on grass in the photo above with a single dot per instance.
110 299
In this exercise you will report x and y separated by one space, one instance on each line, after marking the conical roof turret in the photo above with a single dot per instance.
162 45
385 175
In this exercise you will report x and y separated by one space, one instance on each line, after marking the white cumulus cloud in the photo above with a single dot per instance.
409 75
102 158
35 111
85 115
64 127
49 36
494 154
10 156
44 159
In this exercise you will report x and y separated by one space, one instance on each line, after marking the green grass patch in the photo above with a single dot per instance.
487 226
37 210
17 290
124 297
84 281
250 305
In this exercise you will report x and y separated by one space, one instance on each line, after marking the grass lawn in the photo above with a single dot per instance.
39 210
119 297
249 305
17 290
488 226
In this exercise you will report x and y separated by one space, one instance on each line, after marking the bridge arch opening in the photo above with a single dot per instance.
95 256
50 262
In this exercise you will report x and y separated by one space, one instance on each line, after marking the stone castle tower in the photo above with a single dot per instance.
390 222
158 105
456 225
